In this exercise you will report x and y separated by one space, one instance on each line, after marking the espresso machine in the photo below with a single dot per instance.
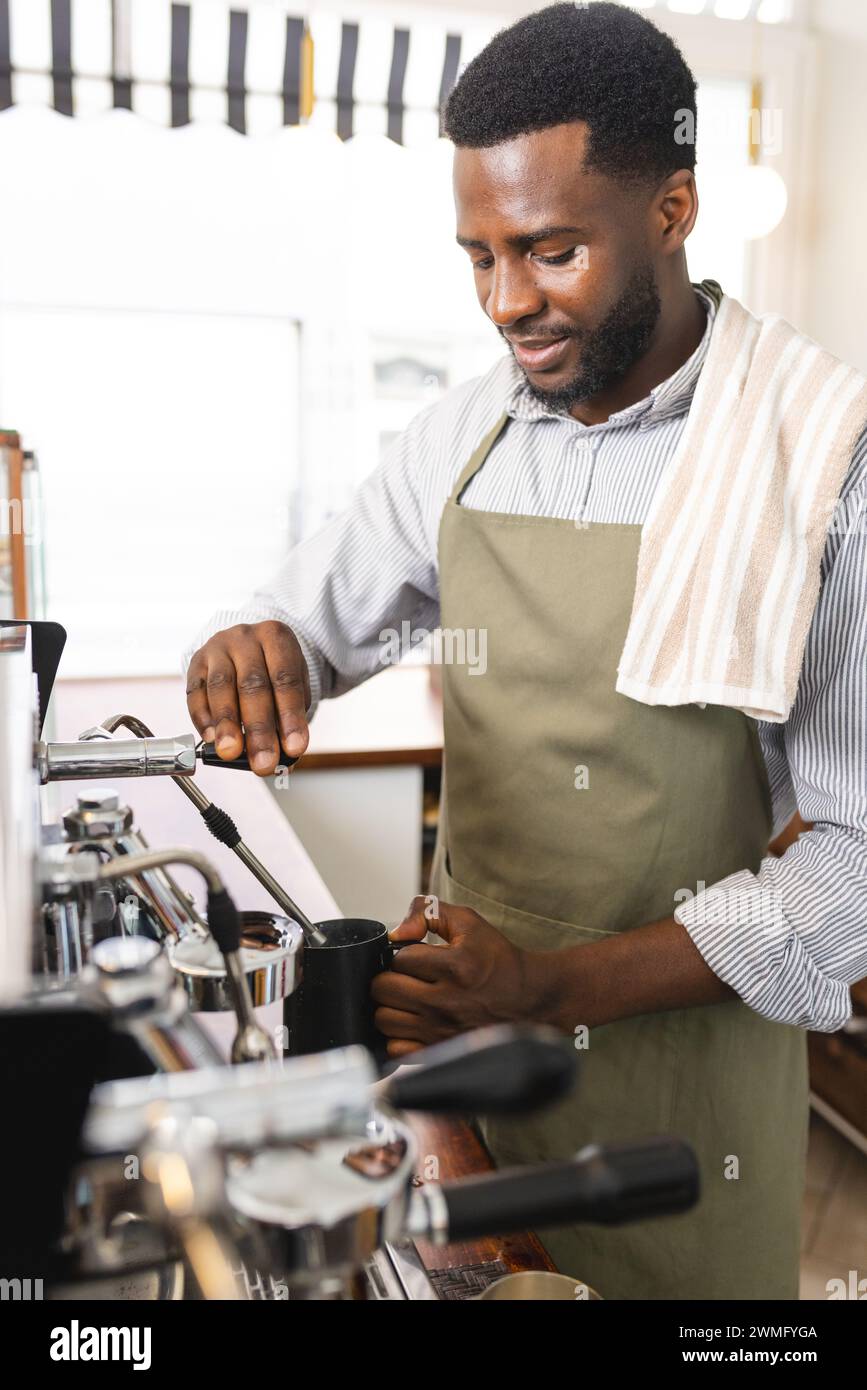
139 1162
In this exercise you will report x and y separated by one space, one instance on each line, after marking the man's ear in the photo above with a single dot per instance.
674 210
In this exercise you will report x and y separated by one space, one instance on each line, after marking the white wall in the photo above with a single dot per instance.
836 301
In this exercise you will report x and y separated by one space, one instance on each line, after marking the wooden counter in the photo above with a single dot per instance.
393 719
459 1154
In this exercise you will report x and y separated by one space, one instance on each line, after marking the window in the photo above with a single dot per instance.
147 355
713 250
161 435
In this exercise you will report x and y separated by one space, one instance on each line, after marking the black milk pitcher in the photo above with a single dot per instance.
332 1006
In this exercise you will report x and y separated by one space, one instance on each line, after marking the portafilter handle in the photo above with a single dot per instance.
501 1070
602 1185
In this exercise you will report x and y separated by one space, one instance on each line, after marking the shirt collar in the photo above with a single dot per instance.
669 399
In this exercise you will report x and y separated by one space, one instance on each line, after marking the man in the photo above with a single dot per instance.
582 830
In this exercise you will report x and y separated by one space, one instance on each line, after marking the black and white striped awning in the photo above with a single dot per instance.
245 64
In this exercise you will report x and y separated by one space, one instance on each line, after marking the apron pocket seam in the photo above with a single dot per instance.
530 917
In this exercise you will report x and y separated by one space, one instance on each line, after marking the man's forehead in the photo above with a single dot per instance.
540 176
513 161
521 212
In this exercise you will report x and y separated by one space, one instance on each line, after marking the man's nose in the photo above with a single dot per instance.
513 296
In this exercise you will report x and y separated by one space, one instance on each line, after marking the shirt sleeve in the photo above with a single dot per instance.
791 938
348 591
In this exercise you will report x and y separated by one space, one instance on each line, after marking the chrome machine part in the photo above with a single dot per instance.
114 1248
251 1107
72 903
271 951
135 979
270 944
132 757
64 935
428 1215
19 818
73 919
99 821
252 1042
325 1208
158 859
183 1173
141 1240
97 815
395 1273
206 808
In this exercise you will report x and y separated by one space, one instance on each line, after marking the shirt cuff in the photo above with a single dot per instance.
314 670
741 929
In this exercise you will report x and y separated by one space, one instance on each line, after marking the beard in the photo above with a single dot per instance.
609 350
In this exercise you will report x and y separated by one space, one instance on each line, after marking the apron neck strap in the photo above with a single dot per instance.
478 456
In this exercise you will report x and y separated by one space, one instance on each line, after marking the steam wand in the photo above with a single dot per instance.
223 828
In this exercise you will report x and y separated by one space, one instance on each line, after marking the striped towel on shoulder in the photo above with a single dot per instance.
731 548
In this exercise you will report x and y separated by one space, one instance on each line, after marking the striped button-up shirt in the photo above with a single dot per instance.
789 939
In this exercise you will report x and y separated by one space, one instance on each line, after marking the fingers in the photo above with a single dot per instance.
422 962
412 928
221 694
401 992
407 1008
396 1023
238 690
256 699
197 696
425 913
249 687
290 683
402 1048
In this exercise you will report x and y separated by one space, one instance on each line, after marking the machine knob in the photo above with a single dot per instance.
99 799
133 974
125 955
97 815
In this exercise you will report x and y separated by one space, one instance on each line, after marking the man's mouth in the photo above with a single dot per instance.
534 354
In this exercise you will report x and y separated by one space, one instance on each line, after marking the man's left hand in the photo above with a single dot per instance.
433 992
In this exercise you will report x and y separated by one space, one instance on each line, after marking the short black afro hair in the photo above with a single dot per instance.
602 64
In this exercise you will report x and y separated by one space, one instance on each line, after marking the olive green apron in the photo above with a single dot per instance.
572 812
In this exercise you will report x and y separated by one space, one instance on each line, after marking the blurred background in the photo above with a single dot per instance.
228 274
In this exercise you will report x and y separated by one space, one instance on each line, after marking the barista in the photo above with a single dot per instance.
574 818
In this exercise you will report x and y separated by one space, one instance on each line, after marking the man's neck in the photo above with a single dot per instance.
678 332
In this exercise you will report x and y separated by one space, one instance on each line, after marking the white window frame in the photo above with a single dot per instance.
776 265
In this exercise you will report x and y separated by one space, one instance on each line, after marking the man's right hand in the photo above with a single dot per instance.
251 680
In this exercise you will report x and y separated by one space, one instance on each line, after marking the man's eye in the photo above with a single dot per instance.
487 261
